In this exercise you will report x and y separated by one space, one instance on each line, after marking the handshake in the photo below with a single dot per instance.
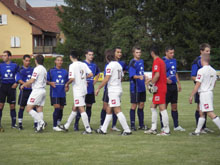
152 88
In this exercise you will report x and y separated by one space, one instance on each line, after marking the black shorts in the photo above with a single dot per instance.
23 97
7 91
90 98
137 97
172 94
197 98
58 100
105 97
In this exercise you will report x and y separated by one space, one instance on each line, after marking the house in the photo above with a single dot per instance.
28 30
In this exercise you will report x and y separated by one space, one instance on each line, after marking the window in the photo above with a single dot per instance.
15 42
3 19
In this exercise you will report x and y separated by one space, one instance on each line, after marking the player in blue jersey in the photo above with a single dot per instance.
137 88
23 75
57 78
196 65
173 86
8 85
90 96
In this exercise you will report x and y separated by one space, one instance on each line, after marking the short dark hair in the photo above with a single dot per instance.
117 47
110 55
169 47
40 59
155 49
135 48
8 52
203 46
88 50
26 56
74 54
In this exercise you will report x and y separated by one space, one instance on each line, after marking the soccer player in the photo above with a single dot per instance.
8 85
113 78
205 83
23 75
78 73
137 88
38 95
159 86
173 86
90 96
57 77
204 48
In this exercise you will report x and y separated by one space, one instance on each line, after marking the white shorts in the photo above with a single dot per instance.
79 101
206 101
37 97
114 99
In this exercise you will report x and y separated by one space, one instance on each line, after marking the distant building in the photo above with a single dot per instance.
28 30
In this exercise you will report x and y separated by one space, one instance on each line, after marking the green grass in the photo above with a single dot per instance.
26 147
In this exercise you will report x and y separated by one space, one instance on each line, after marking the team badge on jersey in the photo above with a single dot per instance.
157 98
206 106
198 76
32 100
108 70
114 101
34 74
77 101
155 67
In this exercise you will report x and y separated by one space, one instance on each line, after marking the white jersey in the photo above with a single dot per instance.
79 70
207 77
114 69
40 76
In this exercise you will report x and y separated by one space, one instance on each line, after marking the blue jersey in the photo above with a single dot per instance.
95 70
136 68
196 65
60 77
8 72
24 74
171 69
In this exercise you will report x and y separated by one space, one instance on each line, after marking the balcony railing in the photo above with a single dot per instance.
44 50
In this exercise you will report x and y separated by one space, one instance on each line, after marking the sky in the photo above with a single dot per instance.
43 3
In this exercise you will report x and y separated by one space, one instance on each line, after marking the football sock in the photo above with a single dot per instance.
165 120
60 116
55 116
154 118
35 124
161 122
141 117
0 116
89 112
20 116
200 124
13 117
114 120
204 126
41 114
132 118
197 117
216 120
123 122
103 114
78 116
85 121
175 118
108 118
70 119
35 115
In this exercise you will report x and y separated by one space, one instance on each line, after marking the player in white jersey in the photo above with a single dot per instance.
78 72
205 83
38 94
113 77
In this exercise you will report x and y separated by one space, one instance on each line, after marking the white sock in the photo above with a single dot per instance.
165 120
217 121
122 120
85 121
200 125
58 122
35 115
108 118
41 115
154 119
70 119
20 120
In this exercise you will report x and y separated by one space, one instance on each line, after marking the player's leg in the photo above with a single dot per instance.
20 117
134 103
107 120
56 113
60 116
140 111
85 120
1 109
214 118
197 115
3 94
70 118
12 101
153 129
165 119
103 113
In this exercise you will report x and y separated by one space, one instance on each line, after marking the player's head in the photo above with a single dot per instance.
39 59
110 55
204 48
58 61
89 55
6 55
74 55
136 50
154 51
169 51
118 53
205 59
26 60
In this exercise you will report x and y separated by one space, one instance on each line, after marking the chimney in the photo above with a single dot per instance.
23 4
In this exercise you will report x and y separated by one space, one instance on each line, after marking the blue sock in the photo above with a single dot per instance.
114 121
140 113
13 117
132 118
78 116
60 116
20 116
204 126
89 112
103 114
55 116
175 118
35 125
0 116
197 117
161 123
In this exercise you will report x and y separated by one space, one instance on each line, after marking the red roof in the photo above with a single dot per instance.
44 18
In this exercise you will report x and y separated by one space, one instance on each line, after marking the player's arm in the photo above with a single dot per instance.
96 79
28 83
196 87
53 84
104 82
178 83
89 75
194 72
141 77
155 78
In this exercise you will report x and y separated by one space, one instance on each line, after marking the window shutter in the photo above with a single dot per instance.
13 42
4 19
17 42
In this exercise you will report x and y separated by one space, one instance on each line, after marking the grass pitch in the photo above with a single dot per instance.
27 147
